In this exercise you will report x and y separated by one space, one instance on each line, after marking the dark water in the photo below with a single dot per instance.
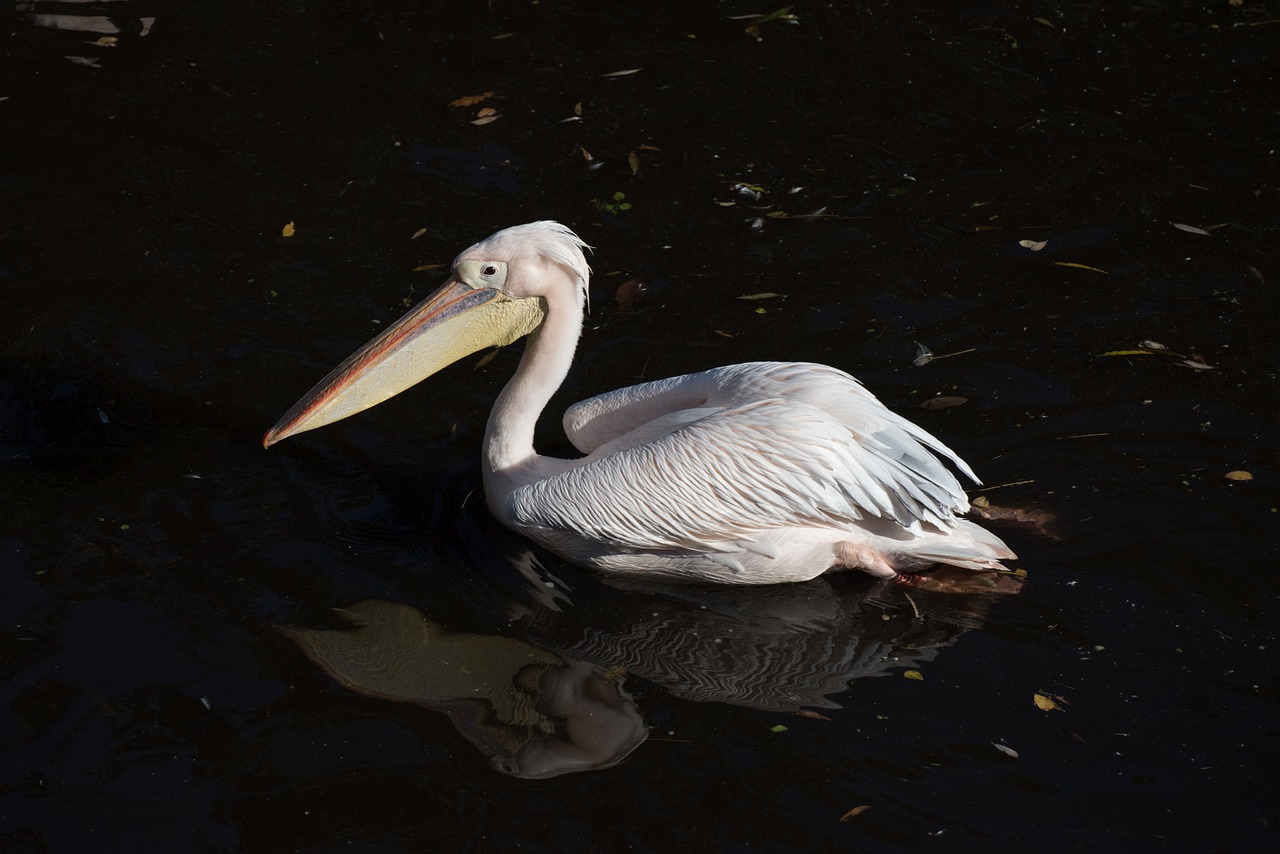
155 322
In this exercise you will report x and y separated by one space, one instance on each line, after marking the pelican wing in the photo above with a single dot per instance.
712 484
636 413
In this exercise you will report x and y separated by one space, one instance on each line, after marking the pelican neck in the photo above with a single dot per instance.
509 435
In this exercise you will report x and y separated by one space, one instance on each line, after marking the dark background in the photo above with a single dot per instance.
154 322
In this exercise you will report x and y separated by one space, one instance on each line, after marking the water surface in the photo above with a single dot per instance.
903 166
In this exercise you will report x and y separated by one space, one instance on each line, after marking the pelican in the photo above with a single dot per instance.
759 473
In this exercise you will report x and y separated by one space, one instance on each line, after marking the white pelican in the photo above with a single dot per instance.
758 473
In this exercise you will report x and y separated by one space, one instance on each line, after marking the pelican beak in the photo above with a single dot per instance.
454 322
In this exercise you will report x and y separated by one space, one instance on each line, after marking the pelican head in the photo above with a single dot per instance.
496 293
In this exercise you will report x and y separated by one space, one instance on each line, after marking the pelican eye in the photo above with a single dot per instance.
481 274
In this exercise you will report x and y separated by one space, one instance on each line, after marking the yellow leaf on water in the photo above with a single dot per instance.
855 812
1080 267
288 230
1239 475
1044 703
1128 353
914 674
761 295
418 233
470 100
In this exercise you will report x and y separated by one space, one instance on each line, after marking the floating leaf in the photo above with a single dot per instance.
623 73
1081 267
753 29
630 292
418 233
805 713
484 120
1033 245
1152 345
1007 751
470 100
761 295
914 674
633 160
1128 353
1044 703
1239 475
618 204
777 728
288 230
1189 228
783 14
943 402
586 155
486 111
855 812
1197 364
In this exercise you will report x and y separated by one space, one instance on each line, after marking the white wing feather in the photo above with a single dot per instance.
789 444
